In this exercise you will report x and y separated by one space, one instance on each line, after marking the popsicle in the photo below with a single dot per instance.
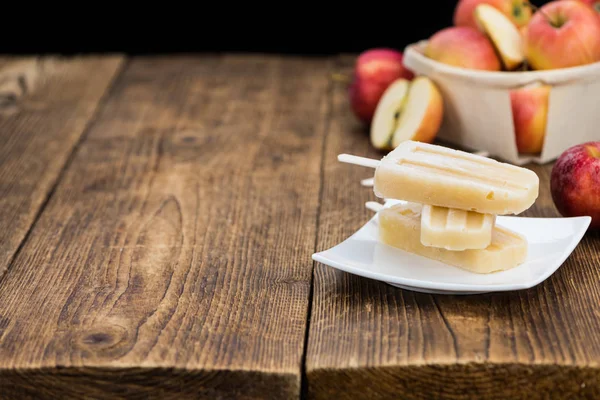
454 229
451 228
436 175
369 182
400 227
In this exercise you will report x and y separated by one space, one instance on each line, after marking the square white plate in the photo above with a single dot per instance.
551 241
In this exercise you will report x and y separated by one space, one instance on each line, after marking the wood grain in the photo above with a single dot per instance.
368 339
45 106
173 260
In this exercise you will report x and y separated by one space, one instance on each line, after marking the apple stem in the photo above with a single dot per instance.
537 9
340 77
525 66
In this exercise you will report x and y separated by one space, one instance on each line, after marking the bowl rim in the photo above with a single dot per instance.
414 55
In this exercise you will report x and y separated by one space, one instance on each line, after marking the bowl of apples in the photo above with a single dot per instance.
519 82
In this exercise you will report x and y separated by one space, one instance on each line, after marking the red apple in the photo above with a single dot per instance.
562 34
575 182
530 114
595 4
463 47
374 71
517 11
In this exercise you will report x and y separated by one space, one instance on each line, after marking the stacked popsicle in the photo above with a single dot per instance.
451 200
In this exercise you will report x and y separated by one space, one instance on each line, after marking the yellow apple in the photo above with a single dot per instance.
503 33
530 114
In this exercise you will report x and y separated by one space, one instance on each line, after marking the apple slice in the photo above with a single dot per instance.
421 116
386 114
503 33
529 106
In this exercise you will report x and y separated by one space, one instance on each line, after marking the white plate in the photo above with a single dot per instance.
551 241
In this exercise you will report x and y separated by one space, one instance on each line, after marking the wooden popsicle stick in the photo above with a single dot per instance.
369 182
374 206
356 160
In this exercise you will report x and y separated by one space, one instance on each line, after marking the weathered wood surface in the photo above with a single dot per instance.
173 259
372 339
45 106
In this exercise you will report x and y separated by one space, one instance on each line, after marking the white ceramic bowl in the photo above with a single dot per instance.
478 113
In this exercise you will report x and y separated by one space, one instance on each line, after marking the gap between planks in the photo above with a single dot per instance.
332 61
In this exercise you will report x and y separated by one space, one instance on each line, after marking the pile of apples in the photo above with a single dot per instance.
488 35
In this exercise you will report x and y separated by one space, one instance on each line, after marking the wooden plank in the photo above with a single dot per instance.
45 105
173 260
369 338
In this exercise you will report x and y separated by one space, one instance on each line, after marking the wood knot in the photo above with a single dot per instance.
276 158
97 338
102 339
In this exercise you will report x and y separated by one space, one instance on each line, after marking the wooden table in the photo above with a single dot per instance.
158 218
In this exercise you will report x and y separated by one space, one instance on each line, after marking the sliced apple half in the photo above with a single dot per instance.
387 112
505 36
529 106
421 116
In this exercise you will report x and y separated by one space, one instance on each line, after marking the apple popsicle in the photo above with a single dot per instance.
439 176
454 229
400 227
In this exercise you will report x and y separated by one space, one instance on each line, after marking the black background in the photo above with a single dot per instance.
284 27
